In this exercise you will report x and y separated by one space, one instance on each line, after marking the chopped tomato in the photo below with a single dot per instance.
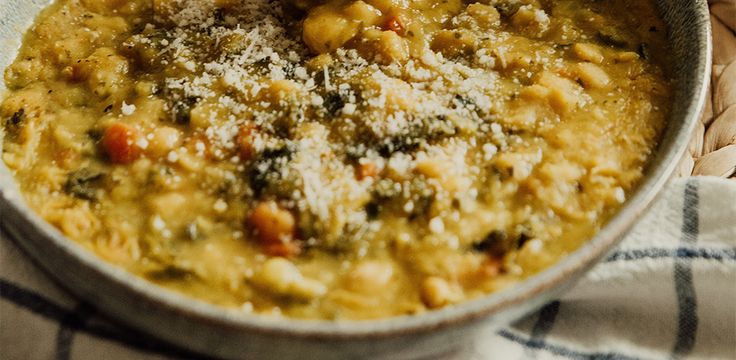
396 25
366 170
119 142
275 229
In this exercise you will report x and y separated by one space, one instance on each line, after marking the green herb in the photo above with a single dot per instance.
463 101
95 134
508 9
333 103
83 183
372 209
499 242
266 170
17 117
170 273
182 110
13 123
418 132
492 242
611 36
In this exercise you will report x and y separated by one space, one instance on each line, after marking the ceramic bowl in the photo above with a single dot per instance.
215 331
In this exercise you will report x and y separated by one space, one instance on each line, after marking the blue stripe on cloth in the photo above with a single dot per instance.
64 340
562 350
31 301
544 324
714 254
546 319
65 335
686 298
42 306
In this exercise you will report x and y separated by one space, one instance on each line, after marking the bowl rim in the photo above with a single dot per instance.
667 157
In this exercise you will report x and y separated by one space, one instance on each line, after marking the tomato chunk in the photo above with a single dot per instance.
119 142
396 25
367 170
275 229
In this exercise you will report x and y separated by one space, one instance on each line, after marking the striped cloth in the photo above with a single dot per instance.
668 291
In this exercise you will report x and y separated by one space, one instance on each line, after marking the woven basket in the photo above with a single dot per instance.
712 149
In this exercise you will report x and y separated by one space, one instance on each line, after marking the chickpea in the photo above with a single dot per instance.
370 276
437 292
383 5
364 13
392 47
563 95
325 30
281 89
282 277
163 140
433 168
486 15
278 274
592 76
534 92
626 56
385 47
396 91
441 170
531 21
168 205
588 52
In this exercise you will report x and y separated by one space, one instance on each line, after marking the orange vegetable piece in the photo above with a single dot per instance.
275 229
396 25
366 170
119 142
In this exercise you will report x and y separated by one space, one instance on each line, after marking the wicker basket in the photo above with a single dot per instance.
713 146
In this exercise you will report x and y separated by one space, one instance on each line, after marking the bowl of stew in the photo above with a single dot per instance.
337 178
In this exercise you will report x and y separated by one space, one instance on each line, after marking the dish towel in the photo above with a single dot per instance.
668 291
